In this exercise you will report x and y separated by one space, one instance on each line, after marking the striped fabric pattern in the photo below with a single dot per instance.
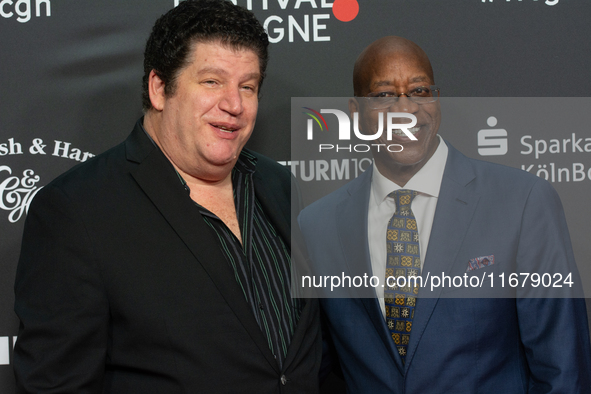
261 264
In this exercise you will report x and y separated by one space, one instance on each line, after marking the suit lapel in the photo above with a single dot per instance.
353 230
455 208
157 178
372 307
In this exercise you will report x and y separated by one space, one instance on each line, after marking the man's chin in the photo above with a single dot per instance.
225 159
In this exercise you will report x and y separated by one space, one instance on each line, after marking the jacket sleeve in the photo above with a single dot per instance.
554 331
60 300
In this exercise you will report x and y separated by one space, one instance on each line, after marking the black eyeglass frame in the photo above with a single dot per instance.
375 102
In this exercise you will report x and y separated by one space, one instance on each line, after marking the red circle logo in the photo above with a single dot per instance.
345 10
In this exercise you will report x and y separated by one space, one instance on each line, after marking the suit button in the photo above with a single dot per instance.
283 380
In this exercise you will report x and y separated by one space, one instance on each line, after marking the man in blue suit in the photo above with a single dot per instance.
428 208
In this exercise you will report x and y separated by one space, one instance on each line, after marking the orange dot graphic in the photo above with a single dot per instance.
345 10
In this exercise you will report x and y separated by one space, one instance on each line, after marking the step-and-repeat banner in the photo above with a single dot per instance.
70 85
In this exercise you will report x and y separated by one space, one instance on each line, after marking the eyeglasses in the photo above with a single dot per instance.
420 95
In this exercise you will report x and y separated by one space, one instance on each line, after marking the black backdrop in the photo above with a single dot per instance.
71 72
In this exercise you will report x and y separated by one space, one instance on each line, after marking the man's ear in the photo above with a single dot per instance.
354 107
156 91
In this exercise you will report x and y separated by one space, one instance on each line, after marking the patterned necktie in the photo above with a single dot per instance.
403 261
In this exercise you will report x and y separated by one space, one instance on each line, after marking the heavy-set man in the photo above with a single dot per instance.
163 265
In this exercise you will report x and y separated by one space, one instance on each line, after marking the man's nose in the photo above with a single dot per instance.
231 101
404 104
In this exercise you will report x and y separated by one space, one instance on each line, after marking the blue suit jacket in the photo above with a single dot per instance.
460 345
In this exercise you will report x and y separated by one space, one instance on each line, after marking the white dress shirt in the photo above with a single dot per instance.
427 183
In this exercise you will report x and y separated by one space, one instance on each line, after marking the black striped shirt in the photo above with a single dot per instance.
261 264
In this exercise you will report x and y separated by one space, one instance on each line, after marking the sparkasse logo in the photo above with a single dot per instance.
492 142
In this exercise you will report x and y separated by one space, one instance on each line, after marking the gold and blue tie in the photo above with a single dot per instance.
403 262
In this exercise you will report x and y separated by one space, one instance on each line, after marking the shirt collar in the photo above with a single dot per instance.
246 162
147 134
426 181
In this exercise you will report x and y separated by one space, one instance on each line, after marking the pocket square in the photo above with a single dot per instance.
480 262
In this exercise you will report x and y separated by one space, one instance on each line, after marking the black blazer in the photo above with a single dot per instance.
121 287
